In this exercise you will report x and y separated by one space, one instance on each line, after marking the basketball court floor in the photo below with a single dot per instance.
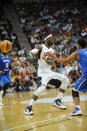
46 117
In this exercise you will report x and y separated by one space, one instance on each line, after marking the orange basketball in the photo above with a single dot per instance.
5 46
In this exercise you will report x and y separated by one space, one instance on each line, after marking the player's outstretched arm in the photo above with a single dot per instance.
73 56
35 51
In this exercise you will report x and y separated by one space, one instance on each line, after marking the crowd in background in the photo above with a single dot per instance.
6 30
65 21
23 73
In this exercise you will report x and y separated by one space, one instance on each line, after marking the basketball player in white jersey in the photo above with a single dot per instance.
45 74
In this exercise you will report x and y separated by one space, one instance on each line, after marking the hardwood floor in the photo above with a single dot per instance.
46 117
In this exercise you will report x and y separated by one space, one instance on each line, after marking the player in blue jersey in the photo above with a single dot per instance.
81 84
5 66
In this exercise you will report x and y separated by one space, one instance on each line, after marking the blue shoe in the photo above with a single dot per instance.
76 112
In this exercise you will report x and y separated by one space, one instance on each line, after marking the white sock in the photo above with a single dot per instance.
1 93
78 106
31 102
60 95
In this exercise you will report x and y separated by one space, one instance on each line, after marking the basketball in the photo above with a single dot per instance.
5 46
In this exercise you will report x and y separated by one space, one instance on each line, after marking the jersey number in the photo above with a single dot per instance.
7 65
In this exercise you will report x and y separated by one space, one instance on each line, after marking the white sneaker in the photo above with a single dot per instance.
28 110
76 112
57 103
10 90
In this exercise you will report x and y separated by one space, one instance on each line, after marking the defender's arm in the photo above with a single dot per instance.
73 56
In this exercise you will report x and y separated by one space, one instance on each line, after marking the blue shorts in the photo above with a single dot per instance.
4 79
81 84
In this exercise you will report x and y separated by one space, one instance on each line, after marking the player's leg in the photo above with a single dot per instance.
81 85
1 95
3 91
6 87
64 84
77 111
41 88
5 84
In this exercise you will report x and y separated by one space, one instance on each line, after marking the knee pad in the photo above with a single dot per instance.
75 93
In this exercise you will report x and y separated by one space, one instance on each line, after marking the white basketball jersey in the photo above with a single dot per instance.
42 63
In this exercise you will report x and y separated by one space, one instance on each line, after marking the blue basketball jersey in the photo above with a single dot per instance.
81 83
83 60
5 63
5 66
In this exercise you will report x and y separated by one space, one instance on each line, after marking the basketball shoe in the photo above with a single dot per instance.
28 110
76 112
57 103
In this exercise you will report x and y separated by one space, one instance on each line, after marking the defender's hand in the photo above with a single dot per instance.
52 56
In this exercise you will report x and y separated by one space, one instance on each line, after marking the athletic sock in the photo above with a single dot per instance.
31 102
60 95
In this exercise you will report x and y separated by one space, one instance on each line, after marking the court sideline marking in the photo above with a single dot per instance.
55 122
63 116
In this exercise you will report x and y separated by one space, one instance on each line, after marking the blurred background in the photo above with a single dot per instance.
27 22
